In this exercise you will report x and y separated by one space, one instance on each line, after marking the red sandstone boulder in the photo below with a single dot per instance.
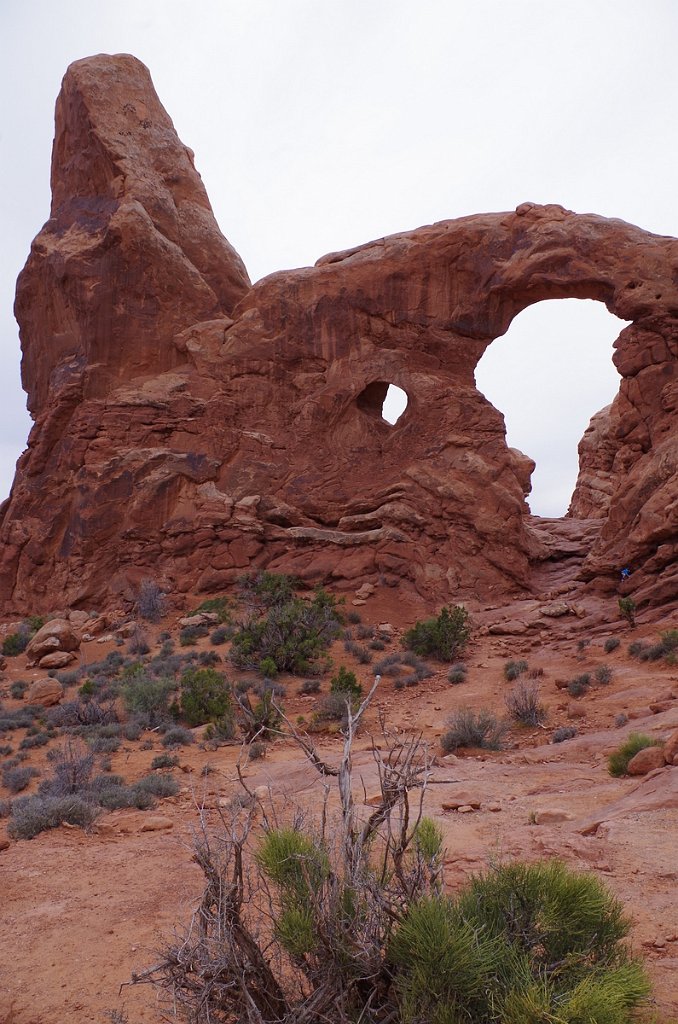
670 748
55 636
46 692
646 760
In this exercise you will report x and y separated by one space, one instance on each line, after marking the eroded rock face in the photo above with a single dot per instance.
188 426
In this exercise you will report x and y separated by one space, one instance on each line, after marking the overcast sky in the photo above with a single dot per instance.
320 124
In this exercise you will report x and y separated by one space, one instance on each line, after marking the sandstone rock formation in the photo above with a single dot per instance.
189 426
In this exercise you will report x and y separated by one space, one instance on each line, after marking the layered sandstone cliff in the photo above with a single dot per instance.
189 426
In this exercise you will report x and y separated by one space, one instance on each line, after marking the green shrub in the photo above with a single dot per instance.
345 682
268 668
205 697
220 731
215 606
292 635
148 696
221 635
443 637
267 589
618 761
627 609
260 721
468 729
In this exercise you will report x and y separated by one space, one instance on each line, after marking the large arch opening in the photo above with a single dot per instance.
548 375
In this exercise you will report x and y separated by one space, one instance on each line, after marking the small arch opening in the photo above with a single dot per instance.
383 400
548 375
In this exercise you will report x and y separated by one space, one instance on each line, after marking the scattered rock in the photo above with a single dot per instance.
552 817
555 610
57 660
365 591
47 692
156 823
575 711
200 619
5 844
461 799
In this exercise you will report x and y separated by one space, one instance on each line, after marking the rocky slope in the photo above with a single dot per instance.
188 426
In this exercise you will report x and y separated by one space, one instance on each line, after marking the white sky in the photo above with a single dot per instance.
320 124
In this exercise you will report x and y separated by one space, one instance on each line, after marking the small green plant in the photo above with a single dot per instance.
346 683
466 728
443 637
205 697
627 609
268 668
293 634
618 761
148 696
611 644
514 669
219 606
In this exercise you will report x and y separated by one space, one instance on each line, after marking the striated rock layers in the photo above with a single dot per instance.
189 426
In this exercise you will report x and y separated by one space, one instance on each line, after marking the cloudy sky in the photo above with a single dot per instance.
319 124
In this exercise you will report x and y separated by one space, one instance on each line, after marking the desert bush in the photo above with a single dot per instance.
522 943
377 645
164 761
309 686
82 713
578 686
148 696
16 643
332 707
221 635
18 689
443 637
269 686
34 814
5 749
618 761
157 785
524 706
132 730
208 659
362 932
256 751
260 721
38 739
359 652
514 669
220 732
267 589
457 673
620 720
354 618
113 798
189 635
564 732
603 674
150 603
138 642
219 606
293 635
17 779
177 737
611 644
468 729
205 697
72 767
268 668
104 744
346 683
627 609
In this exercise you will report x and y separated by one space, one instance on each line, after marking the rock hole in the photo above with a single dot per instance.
383 400
549 374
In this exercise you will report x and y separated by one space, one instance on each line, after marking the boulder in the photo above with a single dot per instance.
47 692
646 760
670 748
55 635
59 659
